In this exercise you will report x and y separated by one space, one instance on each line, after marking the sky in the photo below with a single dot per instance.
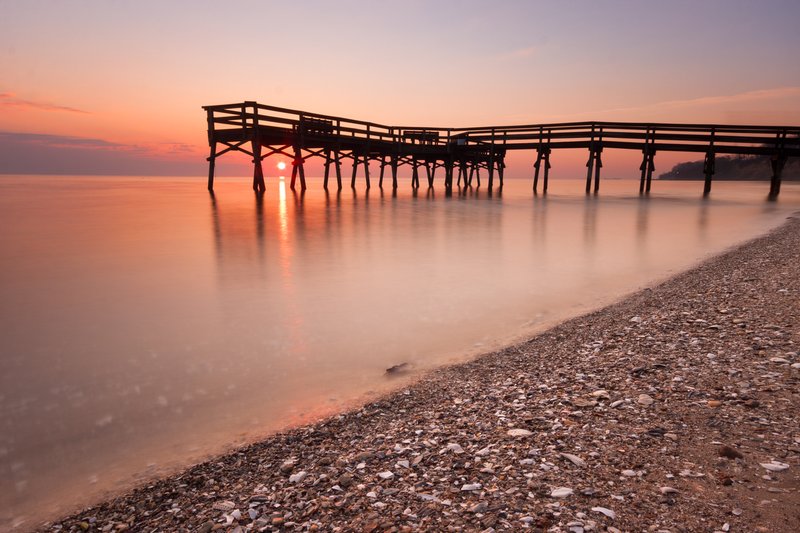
116 87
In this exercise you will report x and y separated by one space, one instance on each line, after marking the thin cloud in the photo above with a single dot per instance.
178 148
703 102
42 153
519 53
8 100
64 141
44 140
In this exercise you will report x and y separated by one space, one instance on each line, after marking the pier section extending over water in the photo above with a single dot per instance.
261 131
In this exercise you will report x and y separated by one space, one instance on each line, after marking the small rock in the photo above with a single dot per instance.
561 492
601 394
636 319
519 432
730 453
577 461
608 512
455 447
298 477
714 403
668 490
206 527
386 475
629 473
397 369
225 506
480 507
775 466
644 400
287 466
471 486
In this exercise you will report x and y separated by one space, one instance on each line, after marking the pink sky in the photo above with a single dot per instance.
116 87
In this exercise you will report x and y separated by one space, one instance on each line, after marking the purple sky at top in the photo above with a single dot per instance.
129 77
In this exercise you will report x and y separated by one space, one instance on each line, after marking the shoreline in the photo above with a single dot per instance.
610 403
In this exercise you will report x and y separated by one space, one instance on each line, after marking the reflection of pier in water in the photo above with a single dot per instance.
261 131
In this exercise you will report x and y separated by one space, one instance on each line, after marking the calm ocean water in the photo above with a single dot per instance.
146 325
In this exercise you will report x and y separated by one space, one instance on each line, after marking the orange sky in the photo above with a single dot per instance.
119 85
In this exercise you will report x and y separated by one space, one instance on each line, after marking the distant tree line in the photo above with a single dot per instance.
738 167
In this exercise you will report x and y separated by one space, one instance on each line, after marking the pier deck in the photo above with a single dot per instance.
261 131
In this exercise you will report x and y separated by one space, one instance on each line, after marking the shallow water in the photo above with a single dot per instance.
146 324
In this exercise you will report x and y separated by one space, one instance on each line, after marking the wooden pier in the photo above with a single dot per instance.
261 131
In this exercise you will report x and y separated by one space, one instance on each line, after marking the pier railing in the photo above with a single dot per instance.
247 115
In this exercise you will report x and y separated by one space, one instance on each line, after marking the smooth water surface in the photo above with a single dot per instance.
146 324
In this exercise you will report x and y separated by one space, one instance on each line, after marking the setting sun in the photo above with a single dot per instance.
281 165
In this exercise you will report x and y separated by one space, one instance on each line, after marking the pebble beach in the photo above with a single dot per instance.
676 409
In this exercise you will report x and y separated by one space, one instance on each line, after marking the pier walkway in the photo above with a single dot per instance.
261 131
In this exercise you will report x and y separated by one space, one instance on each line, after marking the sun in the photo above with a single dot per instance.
281 165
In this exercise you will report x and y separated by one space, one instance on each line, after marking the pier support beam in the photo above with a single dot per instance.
477 168
337 161
327 169
647 167
297 168
597 166
394 171
448 174
383 167
462 172
593 166
501 166
708 170
777 163
546 170
355 170
542 158
366 169
258 171
211 163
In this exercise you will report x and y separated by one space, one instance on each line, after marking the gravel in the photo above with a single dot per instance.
612 421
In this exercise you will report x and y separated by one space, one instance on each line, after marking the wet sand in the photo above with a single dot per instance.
676 409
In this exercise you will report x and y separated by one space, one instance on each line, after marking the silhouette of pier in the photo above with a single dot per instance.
261 131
